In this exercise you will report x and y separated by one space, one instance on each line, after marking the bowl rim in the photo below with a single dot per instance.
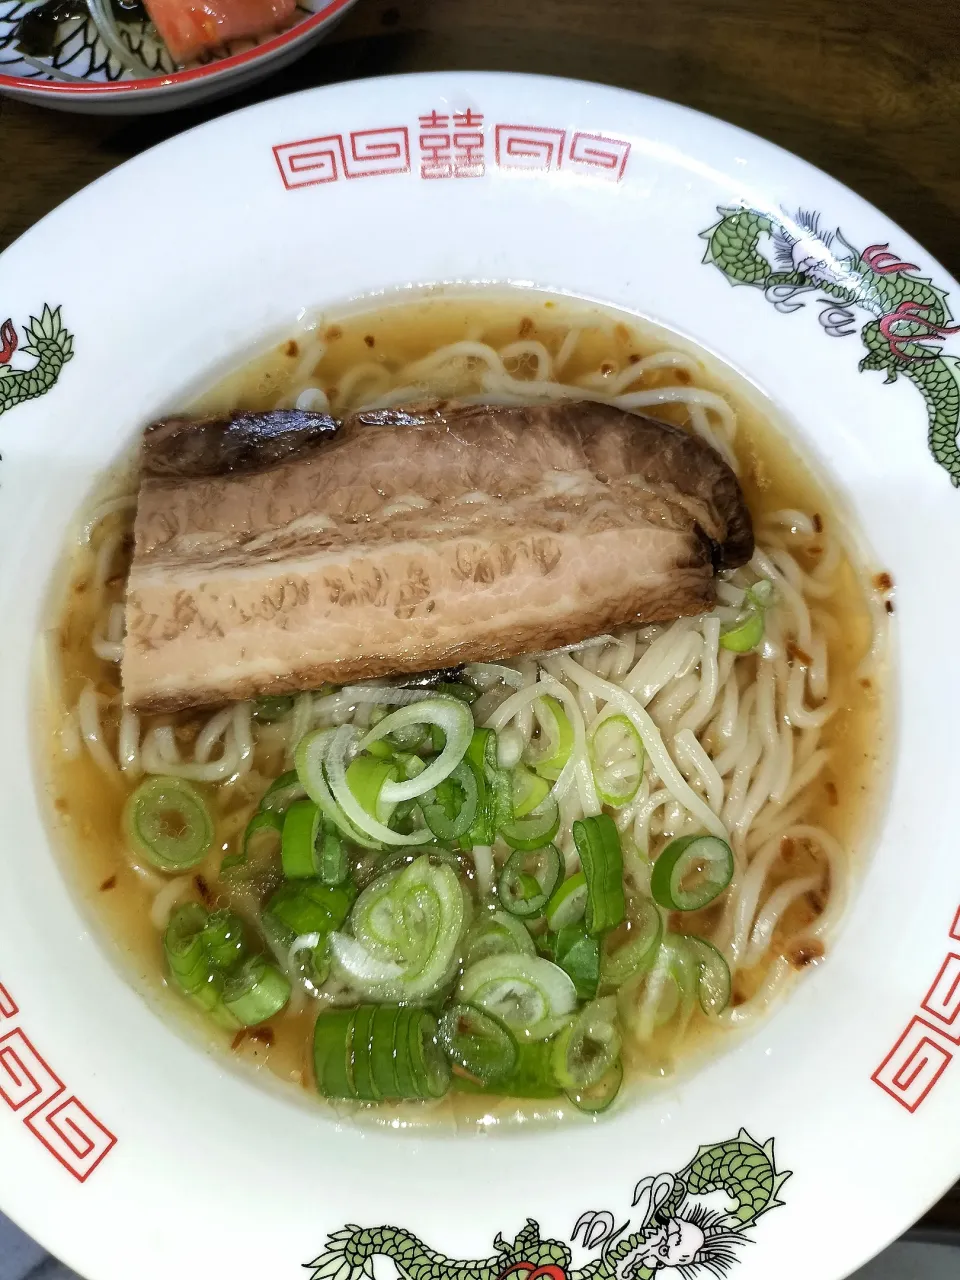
934 1158
156 84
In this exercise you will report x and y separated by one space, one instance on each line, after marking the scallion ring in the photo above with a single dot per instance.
616 757
183 946
713 979
495 934
529 880
585 1050
257 992
529 790
453 809
568 902
374 1052
301 826
452 717
223 939
596 1098
632 947
578 954
551 751
366 776
691 872
282 792
167 820
477 1042
342 743
270 709
601 857
310 754
521 991
535 829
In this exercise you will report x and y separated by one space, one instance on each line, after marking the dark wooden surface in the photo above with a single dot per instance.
867 89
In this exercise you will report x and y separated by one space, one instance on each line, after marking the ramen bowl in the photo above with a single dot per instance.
81 72
824 1128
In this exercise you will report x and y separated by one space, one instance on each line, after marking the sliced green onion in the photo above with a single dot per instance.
309 907
551 753
496 934
378 1051
453 810
270 709
598 1097
586 1049
601 857
521 991
452 717
311 846
257 992
309 756
478 1042
282 792
531 1078
406 928
713 979
746 632
483 749
261 841
578 954
377 921
319 960
568 902
537 828
301 826
484 753
333 1053
366 776
167 820
372 1058
184 949
223 939
691 872
332 862
616 757
483 831
339 747
649 1000
529 880
529 790
632 948
428 1063
465 692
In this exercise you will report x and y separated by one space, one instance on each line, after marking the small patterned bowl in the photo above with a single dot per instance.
84 75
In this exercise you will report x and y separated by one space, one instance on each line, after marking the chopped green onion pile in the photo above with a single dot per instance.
405 865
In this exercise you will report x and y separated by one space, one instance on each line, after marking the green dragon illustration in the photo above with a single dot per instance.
908 312
672 1226
52 345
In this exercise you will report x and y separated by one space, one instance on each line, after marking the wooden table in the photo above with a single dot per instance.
867 89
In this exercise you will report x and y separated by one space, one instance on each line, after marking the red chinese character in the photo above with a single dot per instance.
435 159
468 119
468 154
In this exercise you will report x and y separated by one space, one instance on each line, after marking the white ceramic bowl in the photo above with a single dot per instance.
123 1145
88 78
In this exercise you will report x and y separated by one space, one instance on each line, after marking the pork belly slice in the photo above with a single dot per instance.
273 555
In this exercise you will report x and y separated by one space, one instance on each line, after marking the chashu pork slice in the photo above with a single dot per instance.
275 552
